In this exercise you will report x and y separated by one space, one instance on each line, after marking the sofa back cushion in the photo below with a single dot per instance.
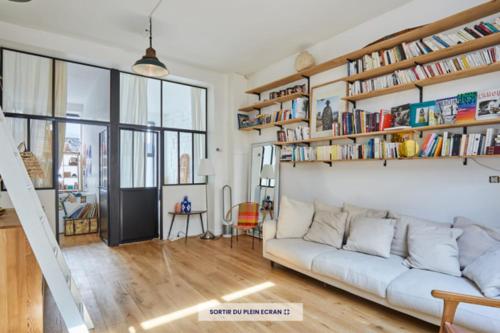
320 206
354 211
433 248
371 236
485 272
294 219
328 228
476 240
399 244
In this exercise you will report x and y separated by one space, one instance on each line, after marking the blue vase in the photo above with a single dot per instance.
186 205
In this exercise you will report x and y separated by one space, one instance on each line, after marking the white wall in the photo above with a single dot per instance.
219 119
436 190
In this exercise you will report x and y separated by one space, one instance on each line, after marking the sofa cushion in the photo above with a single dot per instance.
412 291
328 228
320 206
294 219
371 236
433 248
485 272
353 211
399 245
296 251
476 240
368 273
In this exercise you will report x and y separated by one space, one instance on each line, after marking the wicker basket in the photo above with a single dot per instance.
30 162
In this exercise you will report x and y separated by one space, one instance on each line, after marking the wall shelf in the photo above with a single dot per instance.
392 159
275 124
427 30
397 131
265 103
451 51
426 82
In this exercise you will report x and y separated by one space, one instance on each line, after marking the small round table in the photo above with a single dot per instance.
188 215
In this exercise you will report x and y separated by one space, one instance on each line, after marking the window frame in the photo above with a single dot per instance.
163 129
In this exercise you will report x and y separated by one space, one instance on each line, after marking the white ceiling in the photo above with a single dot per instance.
224 35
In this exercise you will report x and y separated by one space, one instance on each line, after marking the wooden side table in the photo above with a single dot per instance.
188 215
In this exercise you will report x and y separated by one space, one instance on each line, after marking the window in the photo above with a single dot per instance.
81 92
184 106
37 138
140 100
138 159
27 83
183 151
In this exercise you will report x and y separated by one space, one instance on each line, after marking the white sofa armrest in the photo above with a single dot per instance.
269 229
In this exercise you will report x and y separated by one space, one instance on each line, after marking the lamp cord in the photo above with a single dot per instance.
484 165
151 23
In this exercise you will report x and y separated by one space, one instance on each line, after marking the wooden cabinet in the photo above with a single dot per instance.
21 282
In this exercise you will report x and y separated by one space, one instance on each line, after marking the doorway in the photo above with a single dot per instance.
139 185
81 194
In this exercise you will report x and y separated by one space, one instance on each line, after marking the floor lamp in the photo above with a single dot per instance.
206 169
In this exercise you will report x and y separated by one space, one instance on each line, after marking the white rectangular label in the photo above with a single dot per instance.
253 312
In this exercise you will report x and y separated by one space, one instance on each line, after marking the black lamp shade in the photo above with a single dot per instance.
149 65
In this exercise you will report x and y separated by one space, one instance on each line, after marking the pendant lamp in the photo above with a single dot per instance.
149 64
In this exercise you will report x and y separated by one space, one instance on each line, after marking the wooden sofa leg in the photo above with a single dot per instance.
272 264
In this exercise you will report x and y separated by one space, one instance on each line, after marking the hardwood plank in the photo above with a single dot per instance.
125 286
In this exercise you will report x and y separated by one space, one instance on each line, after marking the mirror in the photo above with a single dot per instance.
264 176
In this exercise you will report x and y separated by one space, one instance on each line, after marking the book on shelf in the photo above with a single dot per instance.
453 144
488 104
375 148
466 107
299 153
299 133
408 50
300 108
441 67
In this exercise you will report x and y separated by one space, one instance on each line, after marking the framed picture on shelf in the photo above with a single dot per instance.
326 107
281 136
422 114
243 120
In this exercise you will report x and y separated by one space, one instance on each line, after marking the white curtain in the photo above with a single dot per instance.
27 83
197 101
139 159
133 99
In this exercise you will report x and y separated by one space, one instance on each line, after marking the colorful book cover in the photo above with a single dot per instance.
401 115
446 110
420 112
466 103
488 104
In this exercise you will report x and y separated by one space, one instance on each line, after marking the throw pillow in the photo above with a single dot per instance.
399 244
354 211
371 235
319 206
295 218
327 228
485 272
433 248
475 241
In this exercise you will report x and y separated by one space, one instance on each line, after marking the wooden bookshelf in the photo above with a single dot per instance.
276 123
451 51
466 16
426 82
265 103
392 159
396 131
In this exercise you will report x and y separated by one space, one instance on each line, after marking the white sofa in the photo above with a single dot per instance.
384 281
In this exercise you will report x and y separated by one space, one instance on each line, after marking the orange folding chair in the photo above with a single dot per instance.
248 219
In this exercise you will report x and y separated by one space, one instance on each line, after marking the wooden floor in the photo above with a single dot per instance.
128 285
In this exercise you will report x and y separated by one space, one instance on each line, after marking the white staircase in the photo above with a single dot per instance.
40 236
